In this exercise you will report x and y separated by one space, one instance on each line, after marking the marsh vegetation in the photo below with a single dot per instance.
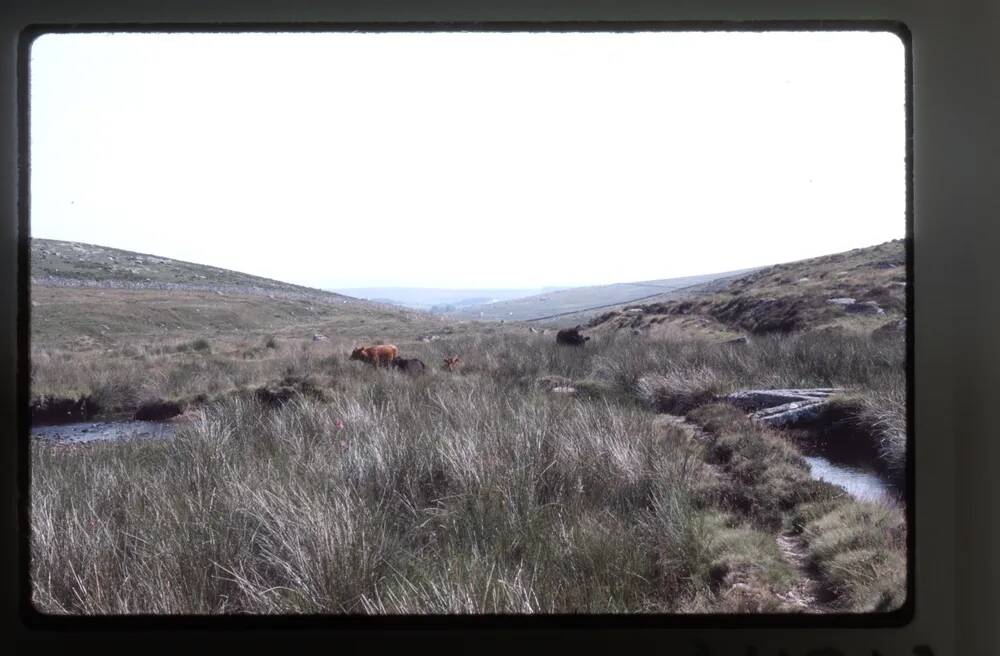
363 490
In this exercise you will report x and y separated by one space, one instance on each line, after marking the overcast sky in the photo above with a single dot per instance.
465 160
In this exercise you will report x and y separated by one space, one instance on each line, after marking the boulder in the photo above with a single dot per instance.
865 307
754 400
789 414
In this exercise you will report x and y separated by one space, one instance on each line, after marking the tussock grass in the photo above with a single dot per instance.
747 570
395 496
342 488
884 415
766 478
859 549
674 371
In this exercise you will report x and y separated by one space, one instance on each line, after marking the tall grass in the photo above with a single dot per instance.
395 496
859 549
875 369
472 492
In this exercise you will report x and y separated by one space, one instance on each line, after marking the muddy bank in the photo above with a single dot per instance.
47 410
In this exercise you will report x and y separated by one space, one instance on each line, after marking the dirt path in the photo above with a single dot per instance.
807 593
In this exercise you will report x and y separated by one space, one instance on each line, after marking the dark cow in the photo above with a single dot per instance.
571 336
409 365
380 355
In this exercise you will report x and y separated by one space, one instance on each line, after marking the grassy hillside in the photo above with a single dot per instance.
56 262
85 296
581 299
862 289
175 331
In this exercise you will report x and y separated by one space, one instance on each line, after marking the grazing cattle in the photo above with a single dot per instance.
451 363
380 355
409 365
571 336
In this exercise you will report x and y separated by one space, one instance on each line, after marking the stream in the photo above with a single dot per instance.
848 460
861 483
92 431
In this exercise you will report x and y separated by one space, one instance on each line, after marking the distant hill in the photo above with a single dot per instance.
67 263
580 301
439 300
864 288
85 294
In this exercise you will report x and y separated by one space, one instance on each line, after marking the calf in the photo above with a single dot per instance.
450 363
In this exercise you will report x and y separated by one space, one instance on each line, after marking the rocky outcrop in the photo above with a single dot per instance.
865 307
783 407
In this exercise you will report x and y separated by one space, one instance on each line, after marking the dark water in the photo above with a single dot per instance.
103 430
864 484
851 461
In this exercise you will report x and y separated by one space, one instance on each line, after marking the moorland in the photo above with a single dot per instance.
613 477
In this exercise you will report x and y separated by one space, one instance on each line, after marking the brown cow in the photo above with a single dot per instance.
451 363
379 355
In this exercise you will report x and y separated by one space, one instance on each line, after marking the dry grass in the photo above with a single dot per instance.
396 496
474 492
